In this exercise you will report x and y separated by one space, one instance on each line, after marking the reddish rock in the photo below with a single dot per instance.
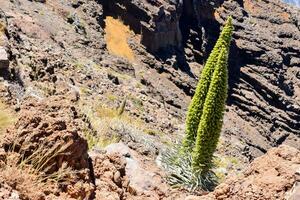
49 126
268 177
48 136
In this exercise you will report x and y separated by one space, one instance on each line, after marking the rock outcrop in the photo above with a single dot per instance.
157 21
272 176
49 137
122 173
49 127
264 75
163 30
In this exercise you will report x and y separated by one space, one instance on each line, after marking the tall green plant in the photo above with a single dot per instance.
212 118
196 107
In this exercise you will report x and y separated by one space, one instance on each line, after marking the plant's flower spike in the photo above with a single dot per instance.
212 118
196 107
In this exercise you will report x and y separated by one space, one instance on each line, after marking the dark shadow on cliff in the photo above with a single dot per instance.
175 55
236 61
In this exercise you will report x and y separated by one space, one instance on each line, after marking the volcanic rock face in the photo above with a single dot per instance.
157 21
163 30
264 80
264 61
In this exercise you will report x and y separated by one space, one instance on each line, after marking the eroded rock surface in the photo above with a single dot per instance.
50 126
48 136
271 176
122 173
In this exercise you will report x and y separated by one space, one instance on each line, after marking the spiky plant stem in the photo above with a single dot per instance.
212 118
196 107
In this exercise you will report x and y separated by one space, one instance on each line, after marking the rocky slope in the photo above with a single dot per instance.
269 177
61 82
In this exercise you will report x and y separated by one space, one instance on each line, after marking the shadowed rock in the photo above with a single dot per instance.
4 62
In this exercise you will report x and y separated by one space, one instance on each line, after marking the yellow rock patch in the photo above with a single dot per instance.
116 36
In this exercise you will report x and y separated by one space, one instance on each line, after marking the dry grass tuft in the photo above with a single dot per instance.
2 31
29 175
24 182
104 121
23 179
7 117
116 36
2 28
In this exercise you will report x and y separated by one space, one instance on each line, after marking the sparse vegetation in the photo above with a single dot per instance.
2 31
79 24
111 97
136 102
116 36
122 107
103 120
2 28
29 175
181 173
153 132
96 141
6 117
27 184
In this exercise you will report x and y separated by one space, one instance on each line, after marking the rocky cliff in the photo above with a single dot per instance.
59 78
263 107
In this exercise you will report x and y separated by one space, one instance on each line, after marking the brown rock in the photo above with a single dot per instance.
48 136
106 169
48 127
271 176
